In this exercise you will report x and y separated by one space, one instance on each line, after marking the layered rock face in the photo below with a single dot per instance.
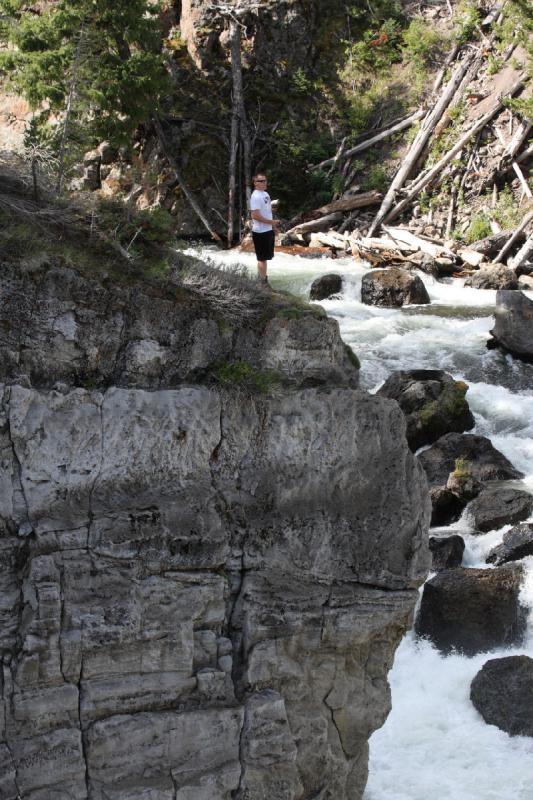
202 589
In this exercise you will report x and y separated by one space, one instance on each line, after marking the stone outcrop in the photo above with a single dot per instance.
392 287
513 328
432 401
502 692
203 587
473 610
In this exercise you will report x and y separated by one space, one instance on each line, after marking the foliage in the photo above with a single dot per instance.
463 468
105 55
467 19
479 228
421 44
377 178
243 375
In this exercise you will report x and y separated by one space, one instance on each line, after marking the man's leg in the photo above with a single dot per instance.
262 270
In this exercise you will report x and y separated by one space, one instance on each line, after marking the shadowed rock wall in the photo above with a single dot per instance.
202 589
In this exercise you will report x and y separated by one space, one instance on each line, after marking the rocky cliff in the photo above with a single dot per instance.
202 587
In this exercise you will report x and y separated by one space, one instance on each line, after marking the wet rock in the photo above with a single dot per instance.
325 286
392 288
472 610
433 403
493 277
517 543
477 456
446 506
502 692
495 507
513 328
447 551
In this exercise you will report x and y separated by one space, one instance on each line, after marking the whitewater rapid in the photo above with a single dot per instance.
434 743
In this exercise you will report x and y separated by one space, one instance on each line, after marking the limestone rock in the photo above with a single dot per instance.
432 401
472 610
517 543
392 287
202 588
502 692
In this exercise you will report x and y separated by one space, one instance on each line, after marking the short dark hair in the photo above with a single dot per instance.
257 174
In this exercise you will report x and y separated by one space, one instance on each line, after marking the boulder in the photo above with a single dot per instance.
325 286
392 288
447 551
107 152
433 403
472 610
446 506
525 282
494 276
499 506
513 329
517 543
502 692
476 456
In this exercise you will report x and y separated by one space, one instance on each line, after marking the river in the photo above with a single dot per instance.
434 743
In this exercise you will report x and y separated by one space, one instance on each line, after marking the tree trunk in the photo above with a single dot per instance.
239 118
523 254
68 111
507 246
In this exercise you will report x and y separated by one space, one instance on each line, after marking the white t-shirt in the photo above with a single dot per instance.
260 201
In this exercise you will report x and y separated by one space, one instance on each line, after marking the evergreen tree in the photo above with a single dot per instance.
100 58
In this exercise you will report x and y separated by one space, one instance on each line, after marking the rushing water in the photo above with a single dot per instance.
434 743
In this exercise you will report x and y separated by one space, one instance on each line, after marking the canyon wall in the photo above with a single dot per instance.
202 586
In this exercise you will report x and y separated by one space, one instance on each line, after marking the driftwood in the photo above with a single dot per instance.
514 237
401 235
329 239
400 126
490 245
510 149
420 184
421 139
348 203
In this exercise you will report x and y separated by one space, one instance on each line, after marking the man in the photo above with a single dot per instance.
262 225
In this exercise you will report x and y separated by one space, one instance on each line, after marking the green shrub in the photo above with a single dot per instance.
479 228
243 375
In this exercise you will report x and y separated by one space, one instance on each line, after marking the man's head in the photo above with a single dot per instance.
260 181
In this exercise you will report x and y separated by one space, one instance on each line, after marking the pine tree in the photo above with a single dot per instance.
110 82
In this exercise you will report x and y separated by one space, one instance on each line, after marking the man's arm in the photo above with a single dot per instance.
266 220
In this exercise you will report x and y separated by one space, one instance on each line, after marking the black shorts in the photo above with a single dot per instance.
264 245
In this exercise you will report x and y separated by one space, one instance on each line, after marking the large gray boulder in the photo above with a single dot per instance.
473 610
513 328
392 287
502 692
432 401
447 551
203 587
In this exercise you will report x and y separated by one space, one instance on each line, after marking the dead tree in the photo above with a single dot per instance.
421 139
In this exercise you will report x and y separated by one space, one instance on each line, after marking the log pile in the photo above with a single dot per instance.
489 152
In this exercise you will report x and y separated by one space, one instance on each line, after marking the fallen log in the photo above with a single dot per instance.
420 141
514 236
321 223
418 185
400 126
490 244
329 239
401 235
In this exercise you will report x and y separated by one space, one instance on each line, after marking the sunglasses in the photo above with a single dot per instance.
261 180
